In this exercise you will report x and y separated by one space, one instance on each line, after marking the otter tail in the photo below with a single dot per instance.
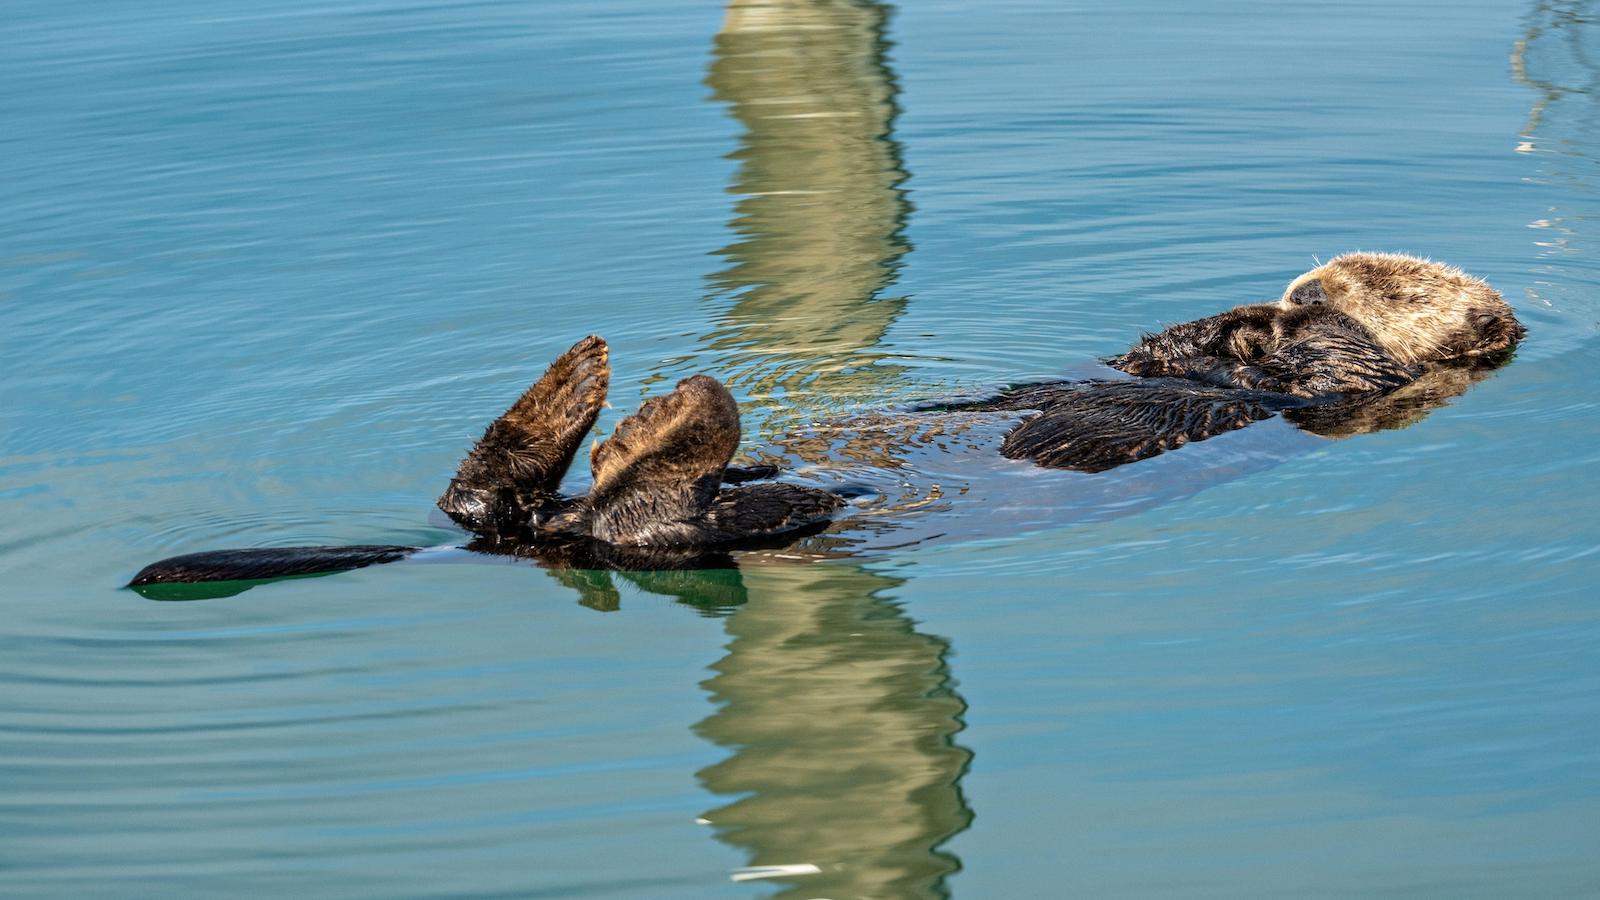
265 564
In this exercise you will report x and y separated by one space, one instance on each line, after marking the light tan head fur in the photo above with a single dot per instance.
1419 310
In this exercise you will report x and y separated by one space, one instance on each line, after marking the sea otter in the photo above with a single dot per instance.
663 494
658 480
1343 336
1347 340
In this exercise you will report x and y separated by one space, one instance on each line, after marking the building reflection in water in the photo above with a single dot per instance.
839 716
1558 57
841 721
1553 58
820 214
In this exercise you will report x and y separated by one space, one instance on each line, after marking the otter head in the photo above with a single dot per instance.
1419 310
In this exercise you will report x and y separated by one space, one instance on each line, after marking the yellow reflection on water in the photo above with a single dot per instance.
821 212
841 721
843 774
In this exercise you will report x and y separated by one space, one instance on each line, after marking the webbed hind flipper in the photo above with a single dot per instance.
524 453
661 469
658 480
539 436
1093 426
751 513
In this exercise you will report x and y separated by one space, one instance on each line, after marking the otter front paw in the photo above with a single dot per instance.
1143 365
1253 379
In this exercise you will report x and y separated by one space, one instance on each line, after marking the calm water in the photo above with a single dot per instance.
264 276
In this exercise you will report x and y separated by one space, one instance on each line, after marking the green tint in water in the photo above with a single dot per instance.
840 719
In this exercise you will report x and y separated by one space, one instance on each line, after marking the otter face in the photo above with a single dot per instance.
1306 293
1419 310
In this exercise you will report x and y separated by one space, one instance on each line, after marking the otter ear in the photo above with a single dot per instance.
1308 293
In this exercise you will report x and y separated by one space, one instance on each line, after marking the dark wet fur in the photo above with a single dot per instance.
1307 352
658 480
266 562
658 500
1092 426
1323 370
588 553
518 464
661 500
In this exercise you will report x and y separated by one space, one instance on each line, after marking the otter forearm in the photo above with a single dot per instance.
1234 334
1337 362
1228 373
1197 338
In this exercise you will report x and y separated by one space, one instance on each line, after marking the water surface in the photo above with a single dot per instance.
266 274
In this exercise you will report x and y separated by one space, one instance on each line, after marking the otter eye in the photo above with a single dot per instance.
1309 294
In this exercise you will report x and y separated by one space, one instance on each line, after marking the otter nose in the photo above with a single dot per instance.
1308 294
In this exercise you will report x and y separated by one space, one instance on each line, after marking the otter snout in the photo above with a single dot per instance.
1307 293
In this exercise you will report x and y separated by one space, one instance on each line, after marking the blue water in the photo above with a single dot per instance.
264 275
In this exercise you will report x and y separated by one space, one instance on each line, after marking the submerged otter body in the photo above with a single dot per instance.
1365 341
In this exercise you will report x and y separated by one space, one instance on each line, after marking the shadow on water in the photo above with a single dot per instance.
840 718
180 591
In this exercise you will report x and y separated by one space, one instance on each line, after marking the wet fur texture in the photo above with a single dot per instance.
1092 426
1344 336
1363 342
658 480
1418 310
518 464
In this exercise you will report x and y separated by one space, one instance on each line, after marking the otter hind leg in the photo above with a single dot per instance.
524 454
660 469
658 479
757 511
742 474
